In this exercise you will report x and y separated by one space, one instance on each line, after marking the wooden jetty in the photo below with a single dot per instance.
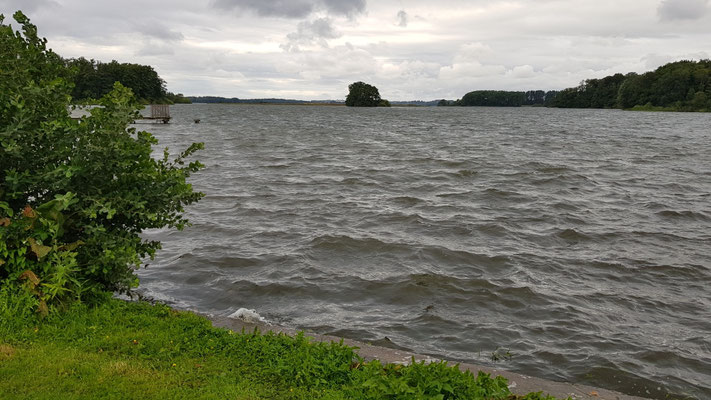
159 112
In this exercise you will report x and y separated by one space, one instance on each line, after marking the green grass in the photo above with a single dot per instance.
126 350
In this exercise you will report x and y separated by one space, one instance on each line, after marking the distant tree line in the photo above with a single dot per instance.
416 103
501 98
677 86
235 100
94 79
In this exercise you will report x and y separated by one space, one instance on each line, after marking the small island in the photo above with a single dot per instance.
361 94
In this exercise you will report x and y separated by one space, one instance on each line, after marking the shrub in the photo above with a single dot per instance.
76 194
436 381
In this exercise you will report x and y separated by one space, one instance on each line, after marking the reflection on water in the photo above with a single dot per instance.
578 239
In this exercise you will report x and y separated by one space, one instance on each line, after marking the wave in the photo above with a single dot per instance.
357 181
466 173
545 168
355 244
407 201
248 315
572 235
683 215
576 237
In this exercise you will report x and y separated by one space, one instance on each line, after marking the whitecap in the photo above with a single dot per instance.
247 315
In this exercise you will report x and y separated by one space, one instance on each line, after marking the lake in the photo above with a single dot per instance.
568 244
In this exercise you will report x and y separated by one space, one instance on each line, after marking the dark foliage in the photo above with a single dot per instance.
680 86
95 79
362 95
493 98
500 98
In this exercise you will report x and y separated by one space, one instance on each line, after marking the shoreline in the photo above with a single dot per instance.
518 384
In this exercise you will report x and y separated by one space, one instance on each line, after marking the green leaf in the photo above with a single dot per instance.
30 276
39 250
71 246
6 207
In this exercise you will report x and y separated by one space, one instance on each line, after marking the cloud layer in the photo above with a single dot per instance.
670 10
312 49
293 8
310 32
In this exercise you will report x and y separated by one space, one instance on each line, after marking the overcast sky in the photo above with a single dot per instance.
409 49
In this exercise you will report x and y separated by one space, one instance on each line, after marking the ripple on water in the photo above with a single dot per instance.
683 215
576 239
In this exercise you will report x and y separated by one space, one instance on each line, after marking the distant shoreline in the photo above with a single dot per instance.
276 104
400 105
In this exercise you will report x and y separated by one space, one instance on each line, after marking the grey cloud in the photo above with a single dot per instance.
293 8
159 31
152 49
402 18
317 31
345 7
159 39
26 6
670 10
277 8
653 61
320 28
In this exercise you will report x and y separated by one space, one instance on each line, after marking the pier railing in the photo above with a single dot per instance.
160 112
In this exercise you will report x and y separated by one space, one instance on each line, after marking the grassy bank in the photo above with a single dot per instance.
122 350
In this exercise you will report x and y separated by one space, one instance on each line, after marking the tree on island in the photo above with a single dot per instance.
361 94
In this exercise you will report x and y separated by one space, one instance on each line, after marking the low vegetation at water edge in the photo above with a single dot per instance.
120 350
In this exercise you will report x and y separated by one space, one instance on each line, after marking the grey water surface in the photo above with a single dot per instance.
577 241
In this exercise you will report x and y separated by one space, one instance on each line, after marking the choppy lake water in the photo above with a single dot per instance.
579 241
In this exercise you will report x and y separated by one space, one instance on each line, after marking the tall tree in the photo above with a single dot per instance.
361 94
494 98
681 86
94 79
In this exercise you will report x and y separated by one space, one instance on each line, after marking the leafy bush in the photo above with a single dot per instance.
76 194
436 381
